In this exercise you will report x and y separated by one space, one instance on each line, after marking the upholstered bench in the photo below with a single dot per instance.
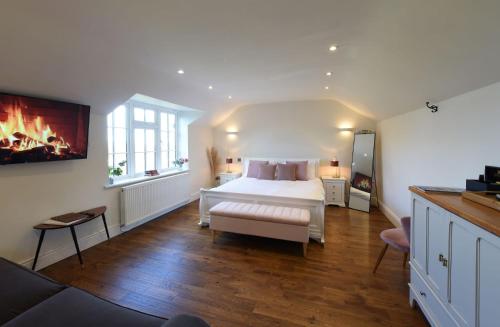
285 223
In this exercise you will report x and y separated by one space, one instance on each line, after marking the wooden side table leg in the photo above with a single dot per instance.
105 225
73 233
40 241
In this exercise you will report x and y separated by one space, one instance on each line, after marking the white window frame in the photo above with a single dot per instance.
156 126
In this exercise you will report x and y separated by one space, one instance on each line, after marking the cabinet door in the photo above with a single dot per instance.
462 265
489 282
437 260
419 235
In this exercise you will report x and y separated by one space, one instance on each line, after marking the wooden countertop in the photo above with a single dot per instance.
482 216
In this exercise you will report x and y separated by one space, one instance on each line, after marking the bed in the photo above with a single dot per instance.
296 194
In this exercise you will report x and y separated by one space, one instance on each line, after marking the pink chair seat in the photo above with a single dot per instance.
396 238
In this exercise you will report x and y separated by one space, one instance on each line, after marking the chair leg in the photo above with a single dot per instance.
405 259
213 235
380 257
304 249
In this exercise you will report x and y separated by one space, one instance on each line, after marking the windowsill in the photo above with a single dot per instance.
135 180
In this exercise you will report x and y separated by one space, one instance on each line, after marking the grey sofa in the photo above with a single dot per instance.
31 299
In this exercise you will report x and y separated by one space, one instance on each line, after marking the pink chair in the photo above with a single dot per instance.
398 238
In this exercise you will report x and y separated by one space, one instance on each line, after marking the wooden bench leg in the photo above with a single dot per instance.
213 236
304 249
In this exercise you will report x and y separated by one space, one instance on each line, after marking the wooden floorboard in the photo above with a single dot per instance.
170 266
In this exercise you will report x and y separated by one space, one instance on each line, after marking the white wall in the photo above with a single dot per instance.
307 129
441 149
32 193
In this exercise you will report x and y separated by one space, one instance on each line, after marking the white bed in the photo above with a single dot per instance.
298 194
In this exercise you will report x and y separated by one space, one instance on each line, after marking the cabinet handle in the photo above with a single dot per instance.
445 262
441 258
423 294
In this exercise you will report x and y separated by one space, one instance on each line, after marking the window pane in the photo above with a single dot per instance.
121 159
164 141
110 140
150 140
139 139
120 117
150 116
163 121
110 160
150 160
138 114
120 140
164 160
171 121
171 157
110 120
171 141
139 162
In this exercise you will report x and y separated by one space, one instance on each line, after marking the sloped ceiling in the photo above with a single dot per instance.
392 56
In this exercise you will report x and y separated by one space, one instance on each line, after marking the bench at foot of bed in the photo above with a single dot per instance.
285 223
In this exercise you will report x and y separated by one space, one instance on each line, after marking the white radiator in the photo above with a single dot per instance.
148 200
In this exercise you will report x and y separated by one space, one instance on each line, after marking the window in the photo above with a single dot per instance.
117 142
141 137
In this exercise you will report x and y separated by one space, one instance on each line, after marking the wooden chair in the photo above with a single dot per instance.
397 238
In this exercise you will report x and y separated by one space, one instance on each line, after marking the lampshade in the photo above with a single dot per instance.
229 160
334 163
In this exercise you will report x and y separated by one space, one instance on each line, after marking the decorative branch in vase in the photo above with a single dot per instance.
213 160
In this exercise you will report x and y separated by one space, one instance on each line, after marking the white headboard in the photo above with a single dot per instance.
312 164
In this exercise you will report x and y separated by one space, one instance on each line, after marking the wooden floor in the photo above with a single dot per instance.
170 266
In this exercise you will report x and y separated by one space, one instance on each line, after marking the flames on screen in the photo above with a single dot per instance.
22 140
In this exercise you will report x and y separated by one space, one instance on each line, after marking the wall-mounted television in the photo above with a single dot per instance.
35 130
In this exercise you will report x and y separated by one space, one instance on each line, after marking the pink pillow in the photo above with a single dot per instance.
286 172
267 172
253 168
301 172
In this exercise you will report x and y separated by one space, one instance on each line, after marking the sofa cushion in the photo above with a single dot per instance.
185 321
21 289
74 307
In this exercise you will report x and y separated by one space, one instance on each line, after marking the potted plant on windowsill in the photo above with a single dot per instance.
116 171
180 162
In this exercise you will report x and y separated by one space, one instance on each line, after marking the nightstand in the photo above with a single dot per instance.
334 190
227 177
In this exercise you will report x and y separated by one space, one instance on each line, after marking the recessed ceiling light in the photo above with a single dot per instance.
229 97
180 72
328 74
332 48
210 87
327 87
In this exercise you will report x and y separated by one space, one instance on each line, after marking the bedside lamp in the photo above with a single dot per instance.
229 161
335 164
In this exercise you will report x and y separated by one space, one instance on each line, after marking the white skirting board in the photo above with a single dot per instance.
391 216
52 256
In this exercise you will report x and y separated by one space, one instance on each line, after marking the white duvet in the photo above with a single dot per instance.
311 189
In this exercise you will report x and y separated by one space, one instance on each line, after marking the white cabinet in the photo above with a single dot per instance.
334 190
227 177
438 223
455 268
419 235
489 282
462 272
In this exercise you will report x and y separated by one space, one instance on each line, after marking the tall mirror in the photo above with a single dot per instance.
362 171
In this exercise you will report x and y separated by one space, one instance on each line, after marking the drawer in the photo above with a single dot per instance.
431 304
332 188
332 198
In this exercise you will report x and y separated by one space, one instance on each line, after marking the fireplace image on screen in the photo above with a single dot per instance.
33 130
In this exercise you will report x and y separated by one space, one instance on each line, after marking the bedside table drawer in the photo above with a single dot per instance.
332 188
332 198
